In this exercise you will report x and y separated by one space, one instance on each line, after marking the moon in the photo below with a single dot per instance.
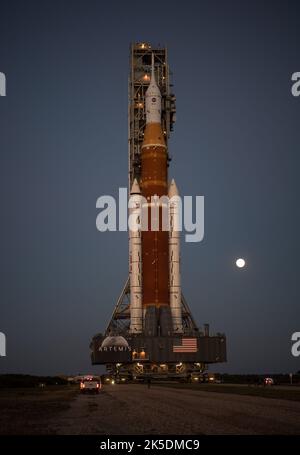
240 263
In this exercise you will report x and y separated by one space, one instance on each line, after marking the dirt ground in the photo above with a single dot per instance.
29 410
135 409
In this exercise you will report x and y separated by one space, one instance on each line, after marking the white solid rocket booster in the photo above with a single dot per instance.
174 257
135 258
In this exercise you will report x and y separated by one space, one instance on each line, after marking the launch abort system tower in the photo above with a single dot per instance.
152 331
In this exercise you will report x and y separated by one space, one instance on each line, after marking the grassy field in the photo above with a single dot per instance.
250 390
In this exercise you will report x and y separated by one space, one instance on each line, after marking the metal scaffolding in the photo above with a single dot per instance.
151 356
120 319
139 78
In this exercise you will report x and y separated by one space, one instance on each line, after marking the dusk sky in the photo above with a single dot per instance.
63 143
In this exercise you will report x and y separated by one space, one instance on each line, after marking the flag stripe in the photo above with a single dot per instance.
185 350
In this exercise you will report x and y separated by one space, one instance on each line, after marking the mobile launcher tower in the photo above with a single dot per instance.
152 331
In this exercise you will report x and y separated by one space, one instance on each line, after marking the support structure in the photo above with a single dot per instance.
139 78
152 331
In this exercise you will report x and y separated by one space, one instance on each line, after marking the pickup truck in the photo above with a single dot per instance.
90 384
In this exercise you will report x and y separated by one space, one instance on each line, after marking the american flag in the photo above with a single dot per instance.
187 345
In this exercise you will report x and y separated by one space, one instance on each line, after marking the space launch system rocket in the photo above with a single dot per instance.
154 252
152 330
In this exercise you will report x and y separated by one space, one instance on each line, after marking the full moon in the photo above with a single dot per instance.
240 263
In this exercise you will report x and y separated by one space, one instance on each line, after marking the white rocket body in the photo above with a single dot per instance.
174 257
153 99
135 259
137 313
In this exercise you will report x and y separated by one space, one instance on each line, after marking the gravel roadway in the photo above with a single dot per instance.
135 409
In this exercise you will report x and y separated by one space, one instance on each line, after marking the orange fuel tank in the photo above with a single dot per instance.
155 243
154 182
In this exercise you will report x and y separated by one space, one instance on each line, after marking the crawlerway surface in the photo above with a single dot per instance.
137 409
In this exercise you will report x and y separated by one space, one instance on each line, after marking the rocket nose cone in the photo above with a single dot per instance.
153 89
173 190
135 189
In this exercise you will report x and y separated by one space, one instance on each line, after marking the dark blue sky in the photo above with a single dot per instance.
63 143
